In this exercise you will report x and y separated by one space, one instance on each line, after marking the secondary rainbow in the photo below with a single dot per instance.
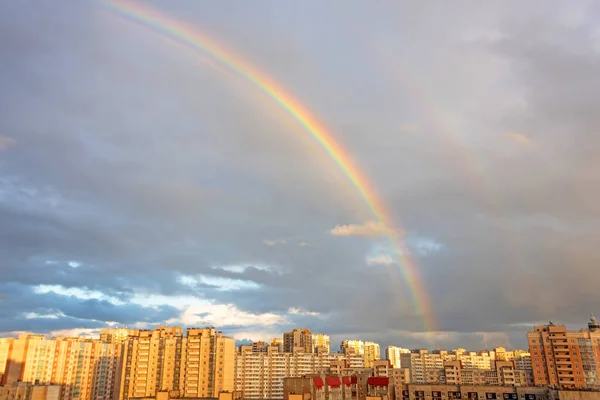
195 40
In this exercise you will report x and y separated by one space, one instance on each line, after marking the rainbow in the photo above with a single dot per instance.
199 42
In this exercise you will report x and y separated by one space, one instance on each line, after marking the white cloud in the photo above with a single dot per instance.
74 264
198 311
33 315
80 293
85 332
425 246
303 244
225 314
254 336
368 229
222 283
241 268
383 259
275 242
301 311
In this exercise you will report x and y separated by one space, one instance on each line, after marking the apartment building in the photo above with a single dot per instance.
117 335
372 353
320 343
260 375
83 368
565 358
424 367
29 391
392 353
471 392
199 364
298 340
477 360
352 347
278 343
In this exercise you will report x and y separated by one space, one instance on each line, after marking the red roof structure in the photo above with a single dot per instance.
318 383
378 381
333 381
354 379
347 381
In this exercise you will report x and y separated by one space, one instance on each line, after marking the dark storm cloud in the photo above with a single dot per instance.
158 186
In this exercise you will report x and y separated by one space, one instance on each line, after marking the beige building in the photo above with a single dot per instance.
475 360
83 368
372 353
352 346
472 392
29 391
330 387
320 343
117 335
201 364
565 358
298 340
278 343
425 367
260 375
393 353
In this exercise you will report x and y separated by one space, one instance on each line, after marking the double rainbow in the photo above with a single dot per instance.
199 42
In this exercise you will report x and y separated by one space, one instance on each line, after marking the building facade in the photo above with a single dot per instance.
562 358
82 368
372 353
352 347
260 375
298 340
320 343
392 353
200 364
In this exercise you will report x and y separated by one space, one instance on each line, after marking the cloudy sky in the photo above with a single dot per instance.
143 182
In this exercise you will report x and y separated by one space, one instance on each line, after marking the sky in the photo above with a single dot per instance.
143 182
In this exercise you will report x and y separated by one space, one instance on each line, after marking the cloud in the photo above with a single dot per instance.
424 246
410 128
368 229
382 259
275 242
300 311
6 142
520 139
224 315
79 293
221 283
178 223
75 332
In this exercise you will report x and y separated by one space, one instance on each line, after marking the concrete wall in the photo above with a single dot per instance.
572 395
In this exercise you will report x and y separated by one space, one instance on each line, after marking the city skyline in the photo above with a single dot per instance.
357 345
171 362
391 174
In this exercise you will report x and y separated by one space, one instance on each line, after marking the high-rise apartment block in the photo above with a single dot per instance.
392 353
372 353
320 343
260 375
123 364
117 335
565 358
84 368
200 364
352 347
278 343
298 340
